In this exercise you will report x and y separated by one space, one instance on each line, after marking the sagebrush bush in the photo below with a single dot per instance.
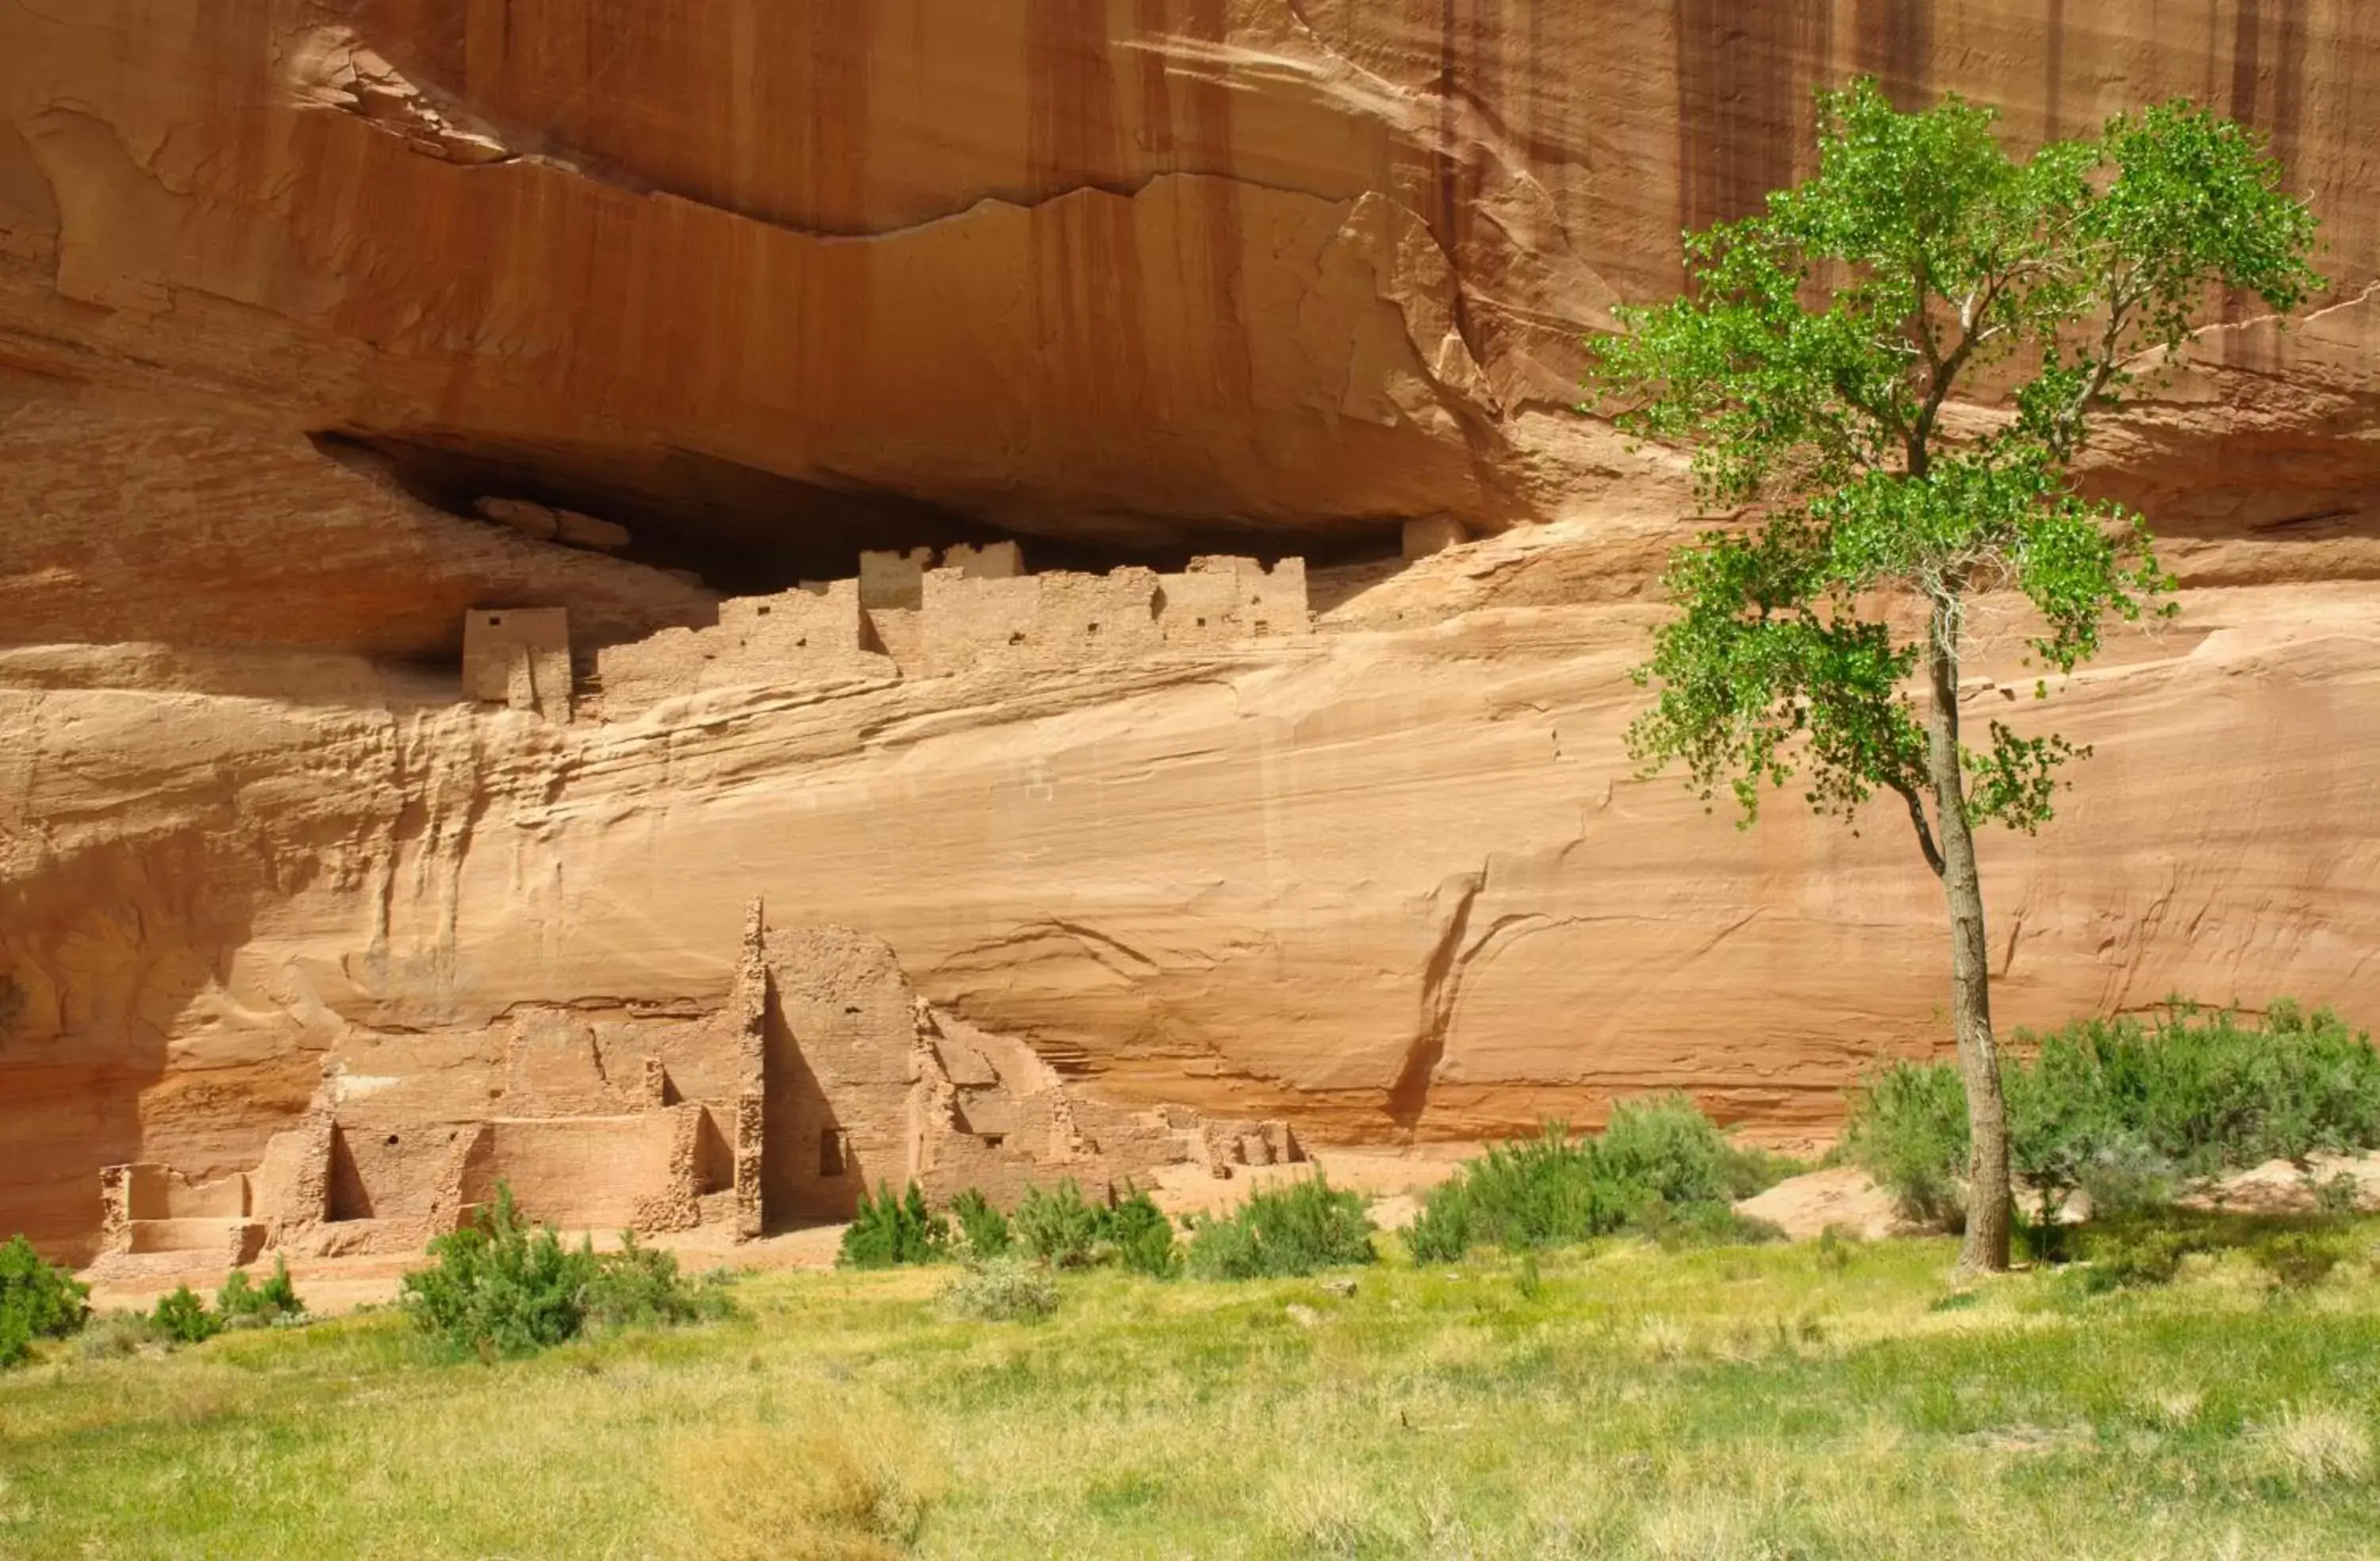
1141 1236
502 1286
1060 1228
1908 1129
2133 1256
889 1230
984 1232
1660 1167
247 1306
1295 1230
183 1318
2127 1112
1002 1290
2297 1260
640 1287
1058 1225
38 1299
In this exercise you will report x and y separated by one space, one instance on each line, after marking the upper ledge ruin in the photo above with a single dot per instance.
901 616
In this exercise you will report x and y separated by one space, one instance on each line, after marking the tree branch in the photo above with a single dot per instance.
1918 821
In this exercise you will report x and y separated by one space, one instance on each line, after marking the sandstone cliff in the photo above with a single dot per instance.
287 285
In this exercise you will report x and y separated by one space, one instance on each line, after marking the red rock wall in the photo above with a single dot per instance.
766 275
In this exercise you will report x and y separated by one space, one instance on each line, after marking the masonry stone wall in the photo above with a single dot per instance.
519 657
899 618
796 637
822 1076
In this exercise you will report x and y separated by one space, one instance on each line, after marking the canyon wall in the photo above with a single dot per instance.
287 285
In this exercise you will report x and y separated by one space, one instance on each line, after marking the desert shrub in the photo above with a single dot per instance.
38 1299
1058 1225
1660 1167
2297 1260
113 1335
983 1230
1678 1227
1908 1129
2133 1257
1306 1225
1141 1236
247 1306
639 1286
888 1231
183 1318
2127 1111
1002 1290
500 1286
1441 1231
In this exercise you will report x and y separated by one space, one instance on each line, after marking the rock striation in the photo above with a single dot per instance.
327 324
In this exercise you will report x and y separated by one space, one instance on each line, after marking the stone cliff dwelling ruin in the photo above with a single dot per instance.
822 1075
900 617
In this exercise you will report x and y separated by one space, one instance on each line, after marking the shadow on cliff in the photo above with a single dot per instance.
808 1175
101 954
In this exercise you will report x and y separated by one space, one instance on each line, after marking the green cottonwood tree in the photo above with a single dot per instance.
1813 371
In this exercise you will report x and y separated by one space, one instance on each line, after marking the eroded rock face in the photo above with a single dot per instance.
286 286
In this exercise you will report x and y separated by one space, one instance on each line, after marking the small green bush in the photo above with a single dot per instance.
2136 1256
1300 1228
113 1335
246 1305
500 1286
1659 1167
983 1230
1058 1225
1908 1129
1002 1290
640 1287
38 1299
183 1318
1141 1236
2297 1260
503 1286
889 1231
2128 1112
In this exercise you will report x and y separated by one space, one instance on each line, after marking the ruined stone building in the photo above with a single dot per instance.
519 657
903 617
824 1075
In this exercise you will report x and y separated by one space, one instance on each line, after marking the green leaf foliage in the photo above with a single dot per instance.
889 1230
1812 371
1659 1167
2131 1112
183 1318
38 1299
245 1304
984 1232
1058 1227
1287 1233
503 1286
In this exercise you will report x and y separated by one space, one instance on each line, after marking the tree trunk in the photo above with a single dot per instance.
1986 1249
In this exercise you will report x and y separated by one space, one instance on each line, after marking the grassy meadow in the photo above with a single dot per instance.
1814 1400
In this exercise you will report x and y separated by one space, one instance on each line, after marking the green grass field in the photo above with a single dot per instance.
1618 1401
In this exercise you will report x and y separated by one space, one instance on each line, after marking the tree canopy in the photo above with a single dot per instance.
1817 368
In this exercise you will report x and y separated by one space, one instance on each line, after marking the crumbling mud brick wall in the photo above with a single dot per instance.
893 579
840 1030
582 1173
1065 619
793 637
519 657
822 1075
1220 601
